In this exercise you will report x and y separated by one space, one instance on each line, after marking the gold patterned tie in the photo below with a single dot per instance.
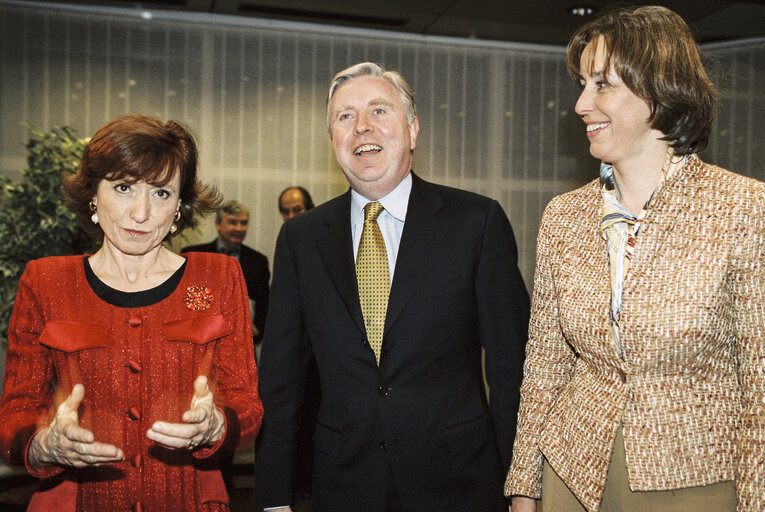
373 277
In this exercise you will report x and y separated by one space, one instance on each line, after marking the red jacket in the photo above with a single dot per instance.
137 366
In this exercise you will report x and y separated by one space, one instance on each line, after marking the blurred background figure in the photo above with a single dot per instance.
644 385
294 200
129 372
231 221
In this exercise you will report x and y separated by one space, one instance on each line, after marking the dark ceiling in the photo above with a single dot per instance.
530 21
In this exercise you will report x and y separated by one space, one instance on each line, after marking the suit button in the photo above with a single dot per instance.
134 321
138 507
137 461
383 446
383 390
134 413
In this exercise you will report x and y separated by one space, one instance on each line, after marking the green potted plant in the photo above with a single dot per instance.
34 221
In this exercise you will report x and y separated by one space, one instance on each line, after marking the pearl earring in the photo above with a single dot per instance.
176 218
94 217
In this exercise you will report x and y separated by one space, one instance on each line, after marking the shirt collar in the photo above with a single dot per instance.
396 202
220 247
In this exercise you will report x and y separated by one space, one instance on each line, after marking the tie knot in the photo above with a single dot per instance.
372 211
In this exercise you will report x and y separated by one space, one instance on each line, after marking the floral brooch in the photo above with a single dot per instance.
198 298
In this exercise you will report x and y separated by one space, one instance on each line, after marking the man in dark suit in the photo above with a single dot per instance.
231 221
404 422
293 201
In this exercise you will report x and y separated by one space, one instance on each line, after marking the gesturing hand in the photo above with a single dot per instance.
203 423
64 442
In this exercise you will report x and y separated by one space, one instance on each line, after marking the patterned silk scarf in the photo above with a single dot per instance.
620 228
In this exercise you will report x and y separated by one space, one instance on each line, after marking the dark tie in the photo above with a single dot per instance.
228 252
373 277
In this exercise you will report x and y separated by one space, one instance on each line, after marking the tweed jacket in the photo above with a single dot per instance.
137 365
690 392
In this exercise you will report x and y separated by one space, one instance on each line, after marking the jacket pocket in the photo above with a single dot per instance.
197 330
211 486
60 496
432 289
469 436
328 441
69 336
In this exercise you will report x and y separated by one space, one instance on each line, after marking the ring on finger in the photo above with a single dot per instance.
190 443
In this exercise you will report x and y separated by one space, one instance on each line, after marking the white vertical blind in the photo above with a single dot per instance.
495 118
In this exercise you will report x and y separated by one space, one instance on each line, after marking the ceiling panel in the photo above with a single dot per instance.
544 22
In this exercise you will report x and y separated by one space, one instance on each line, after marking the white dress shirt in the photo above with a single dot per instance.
391 220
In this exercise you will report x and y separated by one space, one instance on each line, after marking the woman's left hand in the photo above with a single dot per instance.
203 423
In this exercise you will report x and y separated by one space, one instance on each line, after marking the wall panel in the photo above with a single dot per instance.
495 118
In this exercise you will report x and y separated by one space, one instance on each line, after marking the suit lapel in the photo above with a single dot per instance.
420 238
336 249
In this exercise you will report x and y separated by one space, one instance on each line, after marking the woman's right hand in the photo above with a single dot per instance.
523 504
65 443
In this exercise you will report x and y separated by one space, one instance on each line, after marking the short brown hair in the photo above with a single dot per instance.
653 52
144 148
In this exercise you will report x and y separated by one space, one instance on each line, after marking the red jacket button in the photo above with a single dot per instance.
134 321
138 507
137 461
134 366
134 413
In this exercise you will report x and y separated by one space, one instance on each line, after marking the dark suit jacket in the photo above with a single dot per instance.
424 411
256 277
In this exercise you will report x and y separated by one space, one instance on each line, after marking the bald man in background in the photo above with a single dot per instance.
294 200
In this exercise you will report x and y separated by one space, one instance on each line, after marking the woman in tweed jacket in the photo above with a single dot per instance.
644 384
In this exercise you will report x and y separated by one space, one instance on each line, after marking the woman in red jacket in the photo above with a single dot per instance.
129 371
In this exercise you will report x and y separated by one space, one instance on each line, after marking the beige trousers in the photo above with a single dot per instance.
617 497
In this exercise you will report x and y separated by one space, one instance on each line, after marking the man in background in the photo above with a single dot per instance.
231 221
294 200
